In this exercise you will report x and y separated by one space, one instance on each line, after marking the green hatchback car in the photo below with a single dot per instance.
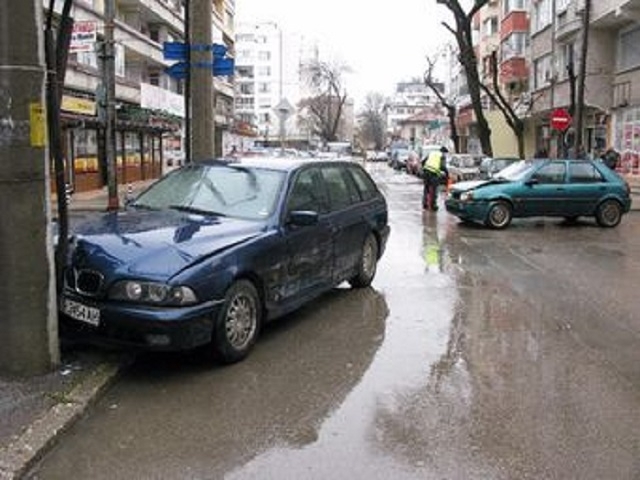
547 188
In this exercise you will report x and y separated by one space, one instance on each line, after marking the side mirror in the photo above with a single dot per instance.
531 181
302 218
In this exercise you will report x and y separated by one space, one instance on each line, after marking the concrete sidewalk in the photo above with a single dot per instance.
35 411
97 200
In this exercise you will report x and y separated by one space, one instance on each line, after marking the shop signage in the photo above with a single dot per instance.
83 37
81 106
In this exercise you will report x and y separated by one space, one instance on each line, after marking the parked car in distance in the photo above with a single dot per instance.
414 163
491 166
463 167
376 156
399 158
213 250
548 187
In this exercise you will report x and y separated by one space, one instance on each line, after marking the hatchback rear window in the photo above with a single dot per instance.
584 172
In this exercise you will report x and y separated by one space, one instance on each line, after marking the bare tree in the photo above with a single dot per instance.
372 120
468 60
324 108
504 105
449 106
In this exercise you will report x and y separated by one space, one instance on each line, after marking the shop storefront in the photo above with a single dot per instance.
139 143
556 143
627 140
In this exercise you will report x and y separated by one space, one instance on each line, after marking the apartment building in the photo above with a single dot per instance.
149 103
409 112
268 81
500 27
618 23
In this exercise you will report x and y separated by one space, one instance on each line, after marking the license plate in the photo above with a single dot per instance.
80 312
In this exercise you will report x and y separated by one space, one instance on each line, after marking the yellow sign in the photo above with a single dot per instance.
37 134
78 105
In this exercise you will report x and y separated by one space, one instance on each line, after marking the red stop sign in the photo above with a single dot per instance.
560 119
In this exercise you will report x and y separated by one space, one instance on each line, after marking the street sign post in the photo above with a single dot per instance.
221 66
560 119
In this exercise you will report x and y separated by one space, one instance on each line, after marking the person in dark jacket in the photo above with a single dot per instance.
611 158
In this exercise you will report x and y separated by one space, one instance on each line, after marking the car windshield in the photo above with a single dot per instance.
226 190
516 171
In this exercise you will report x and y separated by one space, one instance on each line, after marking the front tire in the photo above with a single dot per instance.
499 215
238 323
609 214
368 263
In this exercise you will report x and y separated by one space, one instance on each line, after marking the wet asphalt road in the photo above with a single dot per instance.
477 354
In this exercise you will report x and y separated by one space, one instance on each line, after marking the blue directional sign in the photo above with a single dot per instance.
223 67
219 50
178 70
175 51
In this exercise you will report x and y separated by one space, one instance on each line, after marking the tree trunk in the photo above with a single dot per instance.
473 79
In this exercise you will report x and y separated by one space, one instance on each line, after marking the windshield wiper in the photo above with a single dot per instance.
199 211
141 206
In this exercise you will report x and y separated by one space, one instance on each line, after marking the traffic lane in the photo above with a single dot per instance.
588 275
550 336
540 376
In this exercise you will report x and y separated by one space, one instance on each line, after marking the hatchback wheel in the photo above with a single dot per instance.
368 263
609 214
499 215
238 323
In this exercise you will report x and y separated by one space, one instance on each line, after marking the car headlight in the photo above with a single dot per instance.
152 293
466 196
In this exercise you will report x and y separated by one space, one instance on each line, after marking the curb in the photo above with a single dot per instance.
22 454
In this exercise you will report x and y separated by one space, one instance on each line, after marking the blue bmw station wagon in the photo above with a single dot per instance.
213 250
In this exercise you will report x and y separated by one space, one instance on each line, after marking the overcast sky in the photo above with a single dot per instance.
383 42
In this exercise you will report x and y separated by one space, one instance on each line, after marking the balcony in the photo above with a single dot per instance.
514 70
166 11
606 16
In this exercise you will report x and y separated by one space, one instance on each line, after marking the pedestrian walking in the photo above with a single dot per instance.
435 171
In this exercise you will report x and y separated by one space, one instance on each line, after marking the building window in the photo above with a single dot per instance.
515 45
264 55
490 26
628 52
264 71
154 78
89 59
511 5
246 88
541 15
566 57
542 71
263 87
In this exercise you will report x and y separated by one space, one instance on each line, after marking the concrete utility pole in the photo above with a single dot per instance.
201 82
28 322
109 79
582 76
